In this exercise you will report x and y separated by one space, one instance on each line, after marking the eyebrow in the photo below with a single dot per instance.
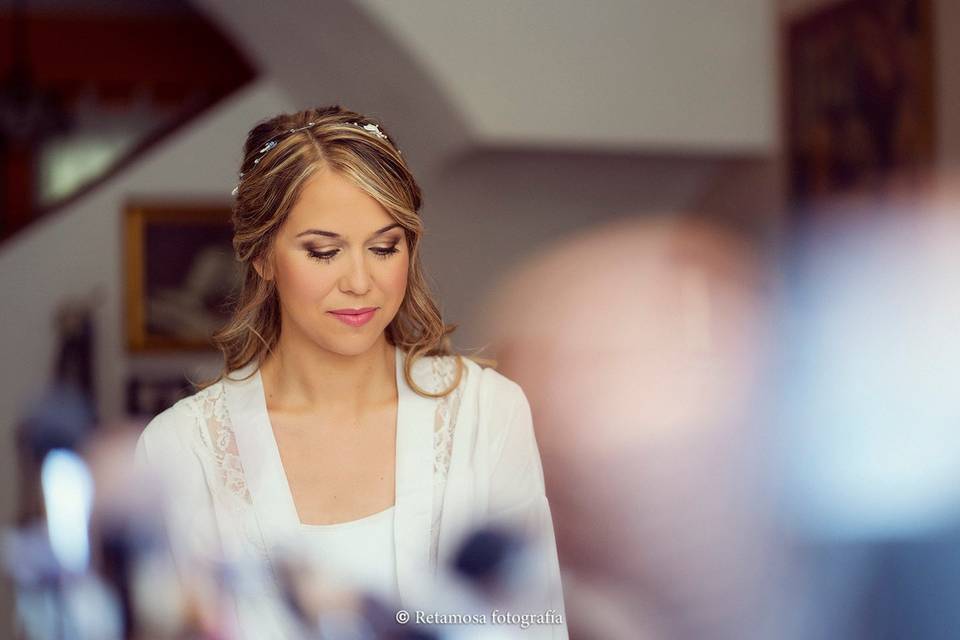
331 234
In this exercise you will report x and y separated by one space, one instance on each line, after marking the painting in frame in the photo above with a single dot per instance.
180 274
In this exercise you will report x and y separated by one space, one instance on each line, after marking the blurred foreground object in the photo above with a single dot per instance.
95 563
643 348
868 415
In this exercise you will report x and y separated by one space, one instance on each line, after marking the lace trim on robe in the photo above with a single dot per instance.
444 372
216 433
228 485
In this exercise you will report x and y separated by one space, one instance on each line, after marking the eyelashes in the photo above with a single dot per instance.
326 256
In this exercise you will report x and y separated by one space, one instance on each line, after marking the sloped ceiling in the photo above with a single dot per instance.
645 75
332 52
661 74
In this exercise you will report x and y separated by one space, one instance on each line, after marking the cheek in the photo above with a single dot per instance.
303 281
396 280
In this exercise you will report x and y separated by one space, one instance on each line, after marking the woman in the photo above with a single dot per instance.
343 426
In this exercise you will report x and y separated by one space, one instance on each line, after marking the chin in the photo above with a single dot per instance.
354 345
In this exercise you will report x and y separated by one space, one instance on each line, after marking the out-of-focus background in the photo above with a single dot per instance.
562 147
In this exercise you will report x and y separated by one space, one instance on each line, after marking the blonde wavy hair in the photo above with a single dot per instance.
271 183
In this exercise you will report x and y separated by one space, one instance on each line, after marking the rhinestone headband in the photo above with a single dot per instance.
270 144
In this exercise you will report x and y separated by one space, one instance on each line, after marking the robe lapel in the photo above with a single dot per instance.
273 504
464 498
414 482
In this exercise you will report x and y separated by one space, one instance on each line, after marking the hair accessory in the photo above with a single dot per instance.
270 144
372 128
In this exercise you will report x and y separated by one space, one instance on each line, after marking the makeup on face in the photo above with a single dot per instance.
354 317
383 251
344 258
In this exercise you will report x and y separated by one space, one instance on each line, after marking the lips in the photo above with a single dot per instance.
354 317
353 312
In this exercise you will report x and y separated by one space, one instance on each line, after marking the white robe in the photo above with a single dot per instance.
465 460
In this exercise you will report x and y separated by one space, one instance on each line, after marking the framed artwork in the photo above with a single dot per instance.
180 274
860 97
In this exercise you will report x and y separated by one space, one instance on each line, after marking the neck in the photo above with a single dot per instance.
307 379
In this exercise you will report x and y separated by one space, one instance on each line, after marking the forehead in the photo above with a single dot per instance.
333 202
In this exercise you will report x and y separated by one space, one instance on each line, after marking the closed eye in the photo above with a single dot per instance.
326 256
322 255
385 252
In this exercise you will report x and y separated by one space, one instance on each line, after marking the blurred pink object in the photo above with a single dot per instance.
642 348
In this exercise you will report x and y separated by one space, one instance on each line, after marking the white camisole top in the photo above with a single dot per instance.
358 554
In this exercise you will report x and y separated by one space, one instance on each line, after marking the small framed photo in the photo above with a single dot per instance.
180 274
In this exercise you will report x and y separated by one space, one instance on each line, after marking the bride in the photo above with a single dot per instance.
343 425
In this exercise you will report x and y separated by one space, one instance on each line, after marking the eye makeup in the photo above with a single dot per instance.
326 256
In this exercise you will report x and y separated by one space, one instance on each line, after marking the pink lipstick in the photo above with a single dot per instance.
354 317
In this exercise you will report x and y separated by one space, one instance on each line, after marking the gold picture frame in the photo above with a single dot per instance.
180 274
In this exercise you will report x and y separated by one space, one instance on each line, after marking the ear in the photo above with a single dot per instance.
263 267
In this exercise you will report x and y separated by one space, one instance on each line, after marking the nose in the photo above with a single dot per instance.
355 279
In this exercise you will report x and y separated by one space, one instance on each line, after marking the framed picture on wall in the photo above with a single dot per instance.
180 273
861 98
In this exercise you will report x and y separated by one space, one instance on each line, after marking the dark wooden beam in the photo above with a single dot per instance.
113 56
